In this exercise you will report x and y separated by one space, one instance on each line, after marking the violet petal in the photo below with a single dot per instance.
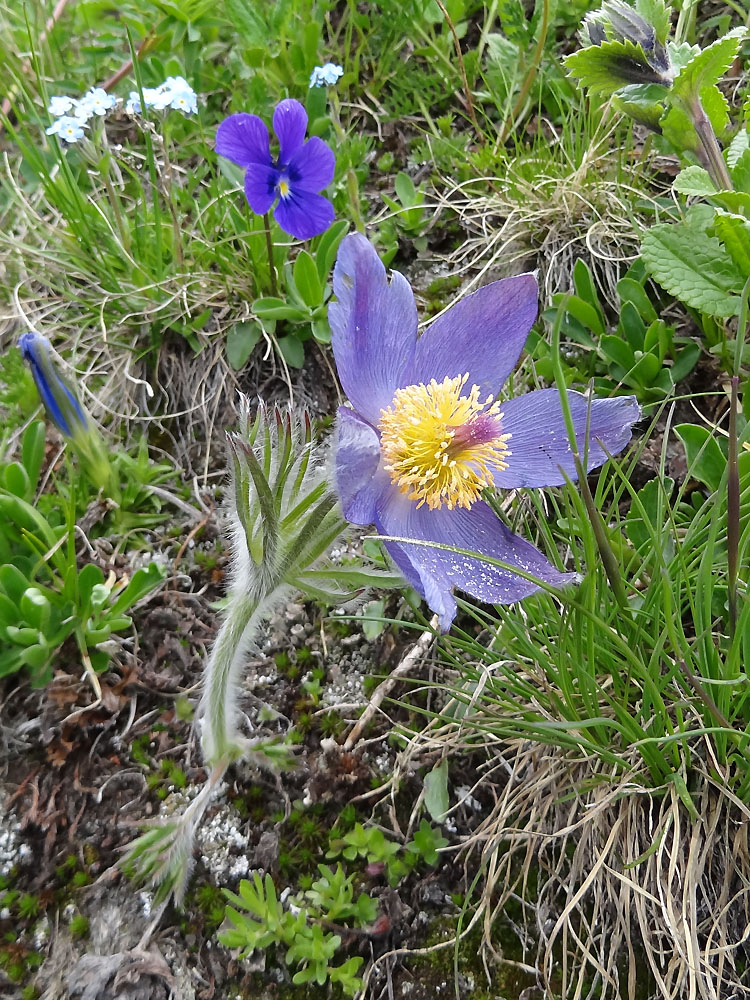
243 139
482 335
539 442
374 327
303 214
260 186
312 166
290 125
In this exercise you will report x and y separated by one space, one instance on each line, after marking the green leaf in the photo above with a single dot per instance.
643 102
657 13
741 171
328 246
436 798
694 267
513 21
734 233
738 145
241 341
16 480
606 68
143 582
633 291
707 67
643 532
250 27
706 461
89 577
273 308
307 281
292 350
694 182
618 350
32 450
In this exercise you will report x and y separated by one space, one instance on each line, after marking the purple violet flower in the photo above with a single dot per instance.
295 177
425 435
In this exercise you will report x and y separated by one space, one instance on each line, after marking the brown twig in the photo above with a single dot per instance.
418 650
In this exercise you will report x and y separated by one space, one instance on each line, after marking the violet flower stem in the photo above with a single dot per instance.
714 159
269 249
733 509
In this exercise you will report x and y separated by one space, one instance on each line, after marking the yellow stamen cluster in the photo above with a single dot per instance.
437 444
283 188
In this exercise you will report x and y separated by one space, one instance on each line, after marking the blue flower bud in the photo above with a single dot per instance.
59 399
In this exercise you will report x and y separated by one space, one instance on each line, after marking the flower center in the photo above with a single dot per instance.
438 444
283 187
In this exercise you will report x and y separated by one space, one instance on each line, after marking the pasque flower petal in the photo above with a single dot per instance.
482 335
360 479
476 530
539 445
303 214
374 327
290 125
243 139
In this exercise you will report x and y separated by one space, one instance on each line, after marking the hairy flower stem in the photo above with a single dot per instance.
220 740
714 160
269 248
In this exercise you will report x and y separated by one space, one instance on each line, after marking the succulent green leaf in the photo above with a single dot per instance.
694 267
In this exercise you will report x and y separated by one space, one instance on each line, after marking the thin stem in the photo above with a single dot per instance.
531 75
352 184
269 249
462 67
733 510
177 231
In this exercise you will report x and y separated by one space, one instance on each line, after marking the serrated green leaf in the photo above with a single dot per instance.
694 267
513 21
608 67
737 147
741 172
695 182
734 233
708 66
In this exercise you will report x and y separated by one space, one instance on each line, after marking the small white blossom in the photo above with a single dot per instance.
97 102
326 76
67 128
61 105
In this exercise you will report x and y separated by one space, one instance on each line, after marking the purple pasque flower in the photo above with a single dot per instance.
425 434
299 171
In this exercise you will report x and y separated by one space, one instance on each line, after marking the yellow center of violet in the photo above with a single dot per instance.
438 445
283 188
